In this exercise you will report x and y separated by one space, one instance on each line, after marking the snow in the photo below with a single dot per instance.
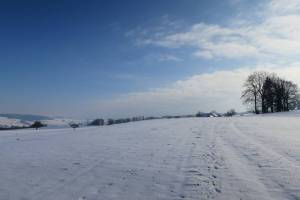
5 122
253 157
51 123
61 122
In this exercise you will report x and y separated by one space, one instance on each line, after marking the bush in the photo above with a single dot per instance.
74 125
37 125
230 113
202 114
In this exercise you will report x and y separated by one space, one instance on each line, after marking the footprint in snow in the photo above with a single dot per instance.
76 163
192 184
218 190
193 171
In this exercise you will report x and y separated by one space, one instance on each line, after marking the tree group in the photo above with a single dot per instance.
37 125
267 92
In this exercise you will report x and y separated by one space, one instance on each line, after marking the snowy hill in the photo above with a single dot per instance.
20 120
255 157
6 122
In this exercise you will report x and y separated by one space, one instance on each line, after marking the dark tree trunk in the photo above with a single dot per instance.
255 105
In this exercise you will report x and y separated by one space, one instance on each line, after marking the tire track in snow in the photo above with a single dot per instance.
239 180
276 176
254 135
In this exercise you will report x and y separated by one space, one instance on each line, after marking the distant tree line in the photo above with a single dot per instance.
266 92
125 120
110 121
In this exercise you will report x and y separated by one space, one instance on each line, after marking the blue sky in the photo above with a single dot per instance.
123 58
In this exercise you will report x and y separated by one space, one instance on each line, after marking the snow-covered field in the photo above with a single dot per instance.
255 157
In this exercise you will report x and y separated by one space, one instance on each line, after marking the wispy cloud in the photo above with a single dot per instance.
276 34
155 58
283 7
162 26
169 57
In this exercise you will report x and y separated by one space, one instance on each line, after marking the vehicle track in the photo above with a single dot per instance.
273 176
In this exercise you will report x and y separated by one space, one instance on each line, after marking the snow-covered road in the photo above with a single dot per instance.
254 157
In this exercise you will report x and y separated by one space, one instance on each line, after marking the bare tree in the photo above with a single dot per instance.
290 95
253 90
281 95
269 93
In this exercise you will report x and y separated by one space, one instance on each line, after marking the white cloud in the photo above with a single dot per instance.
154 58
204 54
219 91
277 33
169 57
283 7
